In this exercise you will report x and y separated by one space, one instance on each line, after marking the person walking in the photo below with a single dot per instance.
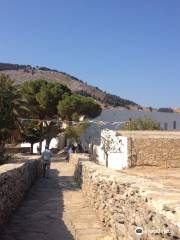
79 148
69 152
46 156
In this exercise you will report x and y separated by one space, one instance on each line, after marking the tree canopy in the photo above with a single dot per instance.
43 97
9 106
74 132
77 105
43 101
31 133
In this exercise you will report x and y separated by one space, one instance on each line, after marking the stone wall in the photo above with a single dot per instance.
122 203
153 148
15 180
74 161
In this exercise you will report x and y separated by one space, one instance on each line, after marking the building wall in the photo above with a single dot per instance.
112 150
138 148
164 119
57 143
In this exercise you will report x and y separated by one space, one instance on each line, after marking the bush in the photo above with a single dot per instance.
141 124
168 110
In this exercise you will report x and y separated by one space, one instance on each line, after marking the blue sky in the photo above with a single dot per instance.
130 48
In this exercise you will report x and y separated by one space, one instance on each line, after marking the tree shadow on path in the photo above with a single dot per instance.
39 216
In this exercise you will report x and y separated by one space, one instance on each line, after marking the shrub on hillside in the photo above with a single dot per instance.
116 101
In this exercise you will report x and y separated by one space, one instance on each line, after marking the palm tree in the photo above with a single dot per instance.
12 106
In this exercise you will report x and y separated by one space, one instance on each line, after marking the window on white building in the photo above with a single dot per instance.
165 126
174 125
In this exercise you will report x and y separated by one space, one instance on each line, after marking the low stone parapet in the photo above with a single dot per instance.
15 180
125 203
75 160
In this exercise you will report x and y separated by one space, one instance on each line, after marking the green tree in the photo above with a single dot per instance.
75 106
31 133
6 111
11 106
74 132
71 108
43 98
141 124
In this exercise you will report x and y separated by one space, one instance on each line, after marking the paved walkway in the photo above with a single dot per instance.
54 209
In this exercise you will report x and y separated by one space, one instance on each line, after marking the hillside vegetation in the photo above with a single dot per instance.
21 73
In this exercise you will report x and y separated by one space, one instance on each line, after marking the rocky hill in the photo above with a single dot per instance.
20 73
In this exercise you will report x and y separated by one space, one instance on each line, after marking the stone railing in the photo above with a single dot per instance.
122 202
15 180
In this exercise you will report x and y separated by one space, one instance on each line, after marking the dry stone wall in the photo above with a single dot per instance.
15 180
154 152
147 148
122 204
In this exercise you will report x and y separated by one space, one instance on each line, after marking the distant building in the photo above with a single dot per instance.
166 121
113 119
99 137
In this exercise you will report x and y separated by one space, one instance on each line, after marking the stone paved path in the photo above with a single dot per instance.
54 209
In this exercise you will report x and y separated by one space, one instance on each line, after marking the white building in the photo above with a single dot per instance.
113 119
112 151
56 143
167 121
